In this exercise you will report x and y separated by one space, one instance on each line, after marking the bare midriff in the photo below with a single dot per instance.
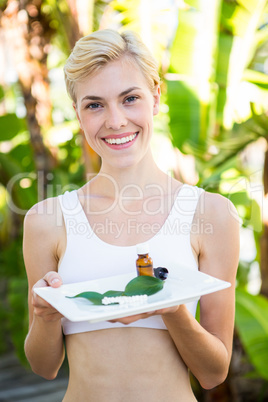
126 364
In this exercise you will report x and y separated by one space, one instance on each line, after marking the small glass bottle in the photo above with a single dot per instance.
144 263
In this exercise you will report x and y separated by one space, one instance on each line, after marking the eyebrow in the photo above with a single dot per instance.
93 97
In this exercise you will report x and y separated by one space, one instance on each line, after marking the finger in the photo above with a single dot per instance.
53 279
47 314
168 310
52 317
40 284
39 302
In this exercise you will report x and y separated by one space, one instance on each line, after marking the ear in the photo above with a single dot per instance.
77 115
156 96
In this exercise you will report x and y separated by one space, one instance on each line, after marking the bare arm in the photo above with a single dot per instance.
43 230
206 347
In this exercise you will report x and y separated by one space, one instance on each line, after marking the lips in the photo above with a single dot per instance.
120 139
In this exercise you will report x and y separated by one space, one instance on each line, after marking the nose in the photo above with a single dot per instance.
115 118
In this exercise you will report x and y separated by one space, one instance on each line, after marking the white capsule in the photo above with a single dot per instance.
124 299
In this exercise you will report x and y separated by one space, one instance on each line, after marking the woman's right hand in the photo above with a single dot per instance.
41 308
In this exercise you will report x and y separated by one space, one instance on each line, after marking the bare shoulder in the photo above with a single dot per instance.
217 209
219 242
44 216
43 237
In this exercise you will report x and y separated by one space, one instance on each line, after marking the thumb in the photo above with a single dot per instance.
53 279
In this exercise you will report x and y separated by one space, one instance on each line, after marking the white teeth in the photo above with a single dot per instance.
120 140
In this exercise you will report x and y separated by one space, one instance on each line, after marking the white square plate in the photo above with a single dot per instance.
188 286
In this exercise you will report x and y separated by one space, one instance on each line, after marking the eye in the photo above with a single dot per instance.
93 106
131 99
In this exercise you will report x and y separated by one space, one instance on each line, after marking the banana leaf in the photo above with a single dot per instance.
209 58
252 326
191 93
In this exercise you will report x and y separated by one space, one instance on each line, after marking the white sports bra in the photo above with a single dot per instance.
87 257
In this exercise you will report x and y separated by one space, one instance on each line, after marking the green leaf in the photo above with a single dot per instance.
113 293
11 125
184 112
2 93
192 97
9 167
181 52
249 5
235 18
256 77
94 297
252 325
141 285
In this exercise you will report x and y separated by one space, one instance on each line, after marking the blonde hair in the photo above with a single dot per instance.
94 51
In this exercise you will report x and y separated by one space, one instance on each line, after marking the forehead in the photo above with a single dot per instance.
112 79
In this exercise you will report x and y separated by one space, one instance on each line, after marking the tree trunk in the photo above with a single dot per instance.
82 22
29 34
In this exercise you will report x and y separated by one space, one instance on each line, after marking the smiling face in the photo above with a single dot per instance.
115 109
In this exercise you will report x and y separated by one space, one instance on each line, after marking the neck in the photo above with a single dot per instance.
134 181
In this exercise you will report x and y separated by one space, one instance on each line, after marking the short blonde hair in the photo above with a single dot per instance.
101 47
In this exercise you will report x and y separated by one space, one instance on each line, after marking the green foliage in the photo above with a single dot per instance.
21 185
13 305
181 59
210 58
95 297
99 9
1 93
219 44
252 326
17 172
140 285
3 4
11 125
18 192
216 130
184 120
190 82
59 16
18 314
143 285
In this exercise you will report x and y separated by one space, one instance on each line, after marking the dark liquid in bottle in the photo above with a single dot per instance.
144 265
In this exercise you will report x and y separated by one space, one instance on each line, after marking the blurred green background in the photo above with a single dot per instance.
212 131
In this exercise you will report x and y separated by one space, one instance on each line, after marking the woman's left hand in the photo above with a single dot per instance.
130 319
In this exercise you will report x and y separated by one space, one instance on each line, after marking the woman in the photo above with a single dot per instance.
114 84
